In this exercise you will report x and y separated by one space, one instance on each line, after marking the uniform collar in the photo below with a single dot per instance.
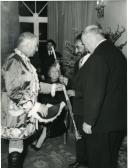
20 53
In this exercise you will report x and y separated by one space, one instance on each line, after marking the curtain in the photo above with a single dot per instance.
9 27
68 18
53 20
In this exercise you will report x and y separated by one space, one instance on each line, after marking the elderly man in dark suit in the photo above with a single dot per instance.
104 97
102 82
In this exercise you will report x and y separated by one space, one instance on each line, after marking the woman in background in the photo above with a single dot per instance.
57 127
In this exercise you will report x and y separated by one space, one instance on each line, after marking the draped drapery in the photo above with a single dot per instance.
68 18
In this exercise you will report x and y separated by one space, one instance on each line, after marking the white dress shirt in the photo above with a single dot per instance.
49 52
83 60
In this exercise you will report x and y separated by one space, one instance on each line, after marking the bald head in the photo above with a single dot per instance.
91 36
27 43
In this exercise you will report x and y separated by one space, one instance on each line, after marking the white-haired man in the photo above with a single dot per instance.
102 82
19 114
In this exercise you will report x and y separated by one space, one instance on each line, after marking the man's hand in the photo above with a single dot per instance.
87 128
43 110
63 80
59 87
38 108
71 93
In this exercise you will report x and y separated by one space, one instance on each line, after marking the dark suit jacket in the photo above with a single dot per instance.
102 82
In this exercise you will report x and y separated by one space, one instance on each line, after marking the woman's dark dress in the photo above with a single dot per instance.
57 127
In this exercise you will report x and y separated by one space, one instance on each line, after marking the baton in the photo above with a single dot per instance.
56 61
54 54
77 135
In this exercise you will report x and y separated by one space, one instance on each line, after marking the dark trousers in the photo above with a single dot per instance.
81 151
99 150
102 149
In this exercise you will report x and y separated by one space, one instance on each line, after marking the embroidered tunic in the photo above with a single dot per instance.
22 86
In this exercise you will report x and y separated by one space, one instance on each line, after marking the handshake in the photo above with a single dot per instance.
47 88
